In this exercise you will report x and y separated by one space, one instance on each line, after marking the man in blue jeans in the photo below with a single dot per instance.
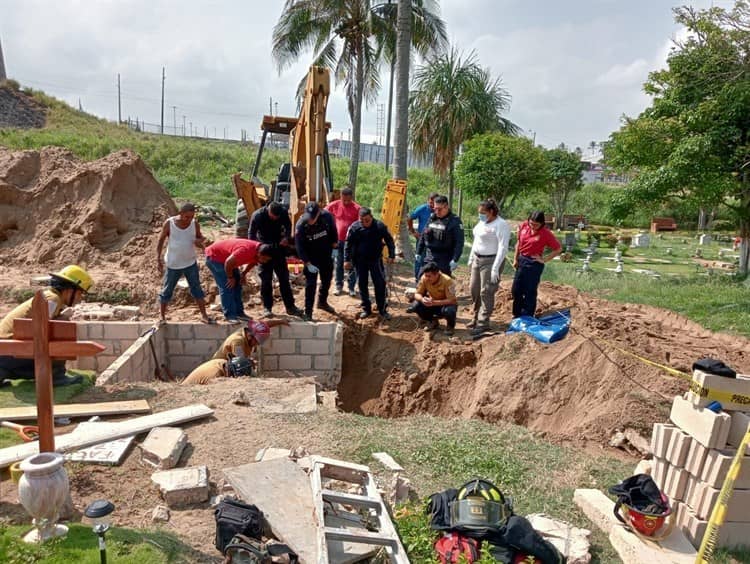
224 259
422 214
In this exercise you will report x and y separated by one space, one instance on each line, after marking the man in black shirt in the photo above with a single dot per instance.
364 249
442 240
271 225
315 238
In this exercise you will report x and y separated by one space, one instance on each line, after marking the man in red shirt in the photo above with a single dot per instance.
345 211
224 259
529 260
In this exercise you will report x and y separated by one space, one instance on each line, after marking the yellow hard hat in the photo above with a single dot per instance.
76 276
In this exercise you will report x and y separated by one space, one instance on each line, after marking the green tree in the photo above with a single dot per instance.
499 166
454 98
693 142
565 178
350 37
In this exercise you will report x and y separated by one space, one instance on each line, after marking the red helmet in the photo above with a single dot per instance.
261 331
645 522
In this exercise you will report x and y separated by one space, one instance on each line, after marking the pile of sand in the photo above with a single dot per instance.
104 215
578 388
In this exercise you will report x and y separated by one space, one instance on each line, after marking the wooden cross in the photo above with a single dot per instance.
42 339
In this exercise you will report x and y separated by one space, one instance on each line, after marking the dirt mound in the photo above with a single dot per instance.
579 388
104 214
20 110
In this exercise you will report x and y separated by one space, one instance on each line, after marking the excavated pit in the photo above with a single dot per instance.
580 388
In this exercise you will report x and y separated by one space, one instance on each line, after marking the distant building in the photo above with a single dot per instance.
3 76
595 171
373 153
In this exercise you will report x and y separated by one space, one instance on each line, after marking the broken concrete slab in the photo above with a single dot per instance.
675 549
270 453
111 453
163 447
571 541
160 514
387 460
182 486
597 507
281 490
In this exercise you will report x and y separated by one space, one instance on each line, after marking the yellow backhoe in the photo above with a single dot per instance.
307 175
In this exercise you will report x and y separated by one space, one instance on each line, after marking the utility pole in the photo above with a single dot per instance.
119 101
183 126
270 105
163 76
174 118
276 106
191 129
3 76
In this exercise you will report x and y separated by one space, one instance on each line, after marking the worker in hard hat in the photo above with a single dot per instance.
234 357
66 289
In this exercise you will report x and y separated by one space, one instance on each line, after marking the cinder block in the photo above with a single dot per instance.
660 438
696 458
203 347
183 486
677 450
739 426
315 346
730 534
675 483
94 331
738 390
322 362
270 362
282 346
294 362
103 361
175 346
597 507
691 490
185 331
297 330
212 332
163 447
659 473
183 364
708 428
325 330
122 331
86 363
717 466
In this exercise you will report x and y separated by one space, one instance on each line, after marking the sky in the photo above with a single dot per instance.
573 69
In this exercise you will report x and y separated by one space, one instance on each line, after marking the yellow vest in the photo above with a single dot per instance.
23 311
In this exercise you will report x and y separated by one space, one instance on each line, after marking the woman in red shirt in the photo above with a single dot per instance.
533 239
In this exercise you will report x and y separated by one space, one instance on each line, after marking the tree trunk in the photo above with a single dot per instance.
451 179
401 133
388 156
357 117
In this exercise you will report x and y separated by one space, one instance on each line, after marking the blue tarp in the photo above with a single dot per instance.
547 329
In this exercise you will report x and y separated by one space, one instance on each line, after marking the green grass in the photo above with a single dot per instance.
80 545
23 392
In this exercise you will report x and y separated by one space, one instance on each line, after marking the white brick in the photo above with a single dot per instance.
325 330
675 483
175 346
121 331
317 346
298 330
692 491
213 332
294 362
660 439
730 533
203 347
678 448
717 466
282 346
739 426
738 507
738 387
708 428
183 486
322 362
659 473
163 447
696 458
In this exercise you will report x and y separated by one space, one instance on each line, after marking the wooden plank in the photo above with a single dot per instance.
78 410
136 426
352 499
23 330
66 350
43 373
281 490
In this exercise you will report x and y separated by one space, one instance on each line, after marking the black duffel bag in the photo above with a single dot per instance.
236 518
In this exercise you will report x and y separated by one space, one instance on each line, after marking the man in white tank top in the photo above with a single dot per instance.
184 235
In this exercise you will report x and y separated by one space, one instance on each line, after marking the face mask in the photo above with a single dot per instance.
483 217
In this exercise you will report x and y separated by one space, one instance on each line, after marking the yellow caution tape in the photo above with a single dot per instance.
719 513
718 395
669 369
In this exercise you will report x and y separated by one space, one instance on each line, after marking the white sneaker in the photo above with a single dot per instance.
338 291
353 293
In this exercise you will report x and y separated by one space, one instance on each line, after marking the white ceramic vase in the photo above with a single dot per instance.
42 490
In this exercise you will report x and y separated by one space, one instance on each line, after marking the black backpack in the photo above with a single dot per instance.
236 518
713 366
247 550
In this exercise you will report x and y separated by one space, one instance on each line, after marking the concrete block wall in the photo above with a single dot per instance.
691 472
302 349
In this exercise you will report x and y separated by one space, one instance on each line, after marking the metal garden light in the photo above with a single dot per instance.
99 513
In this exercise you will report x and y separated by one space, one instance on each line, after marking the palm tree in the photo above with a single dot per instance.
403 29
453 99
352 37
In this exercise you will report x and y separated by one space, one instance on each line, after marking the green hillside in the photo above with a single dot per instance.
190 169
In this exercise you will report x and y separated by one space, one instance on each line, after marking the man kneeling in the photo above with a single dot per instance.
436 298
